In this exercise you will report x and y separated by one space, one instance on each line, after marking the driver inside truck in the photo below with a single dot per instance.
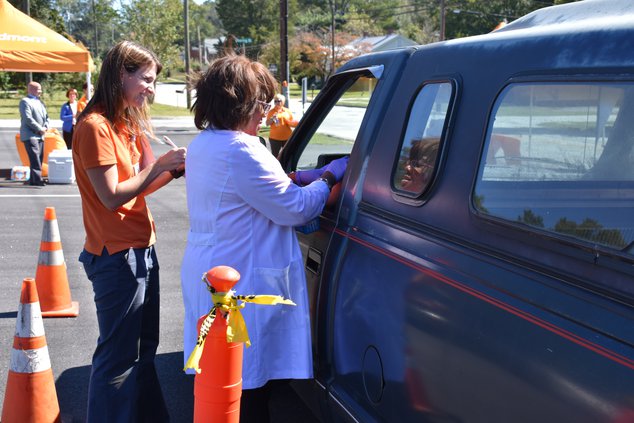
420 164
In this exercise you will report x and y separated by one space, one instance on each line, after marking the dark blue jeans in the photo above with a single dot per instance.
124 386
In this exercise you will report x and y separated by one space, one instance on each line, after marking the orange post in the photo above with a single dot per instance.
52 141
30 395
218 387
51 278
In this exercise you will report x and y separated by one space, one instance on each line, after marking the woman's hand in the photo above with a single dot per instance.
337 168
174 159
305 177
113 194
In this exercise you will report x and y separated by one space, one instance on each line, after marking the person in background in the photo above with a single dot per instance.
115 171
420 164
68 115
280 119
81 104
242 212
33 125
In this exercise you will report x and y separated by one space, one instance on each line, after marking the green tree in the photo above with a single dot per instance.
43 12
254 19
530 218
377 17
203 23
94 23
591 230
312 53
157 25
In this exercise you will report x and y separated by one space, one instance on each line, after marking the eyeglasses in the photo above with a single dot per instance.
277 101
418 163
265 106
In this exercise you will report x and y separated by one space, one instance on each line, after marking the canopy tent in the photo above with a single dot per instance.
28 46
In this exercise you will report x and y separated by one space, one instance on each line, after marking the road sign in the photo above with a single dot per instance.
244 40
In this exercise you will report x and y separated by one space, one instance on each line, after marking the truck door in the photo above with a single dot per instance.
329 130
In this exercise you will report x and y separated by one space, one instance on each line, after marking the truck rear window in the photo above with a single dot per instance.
560 157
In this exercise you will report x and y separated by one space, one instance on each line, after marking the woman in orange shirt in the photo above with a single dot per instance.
280 119
116 170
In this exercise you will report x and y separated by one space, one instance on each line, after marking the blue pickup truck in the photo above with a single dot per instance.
476 264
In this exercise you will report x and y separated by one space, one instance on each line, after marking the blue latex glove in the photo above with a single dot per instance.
337 168
305 177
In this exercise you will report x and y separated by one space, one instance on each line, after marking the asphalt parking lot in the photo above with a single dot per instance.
71 340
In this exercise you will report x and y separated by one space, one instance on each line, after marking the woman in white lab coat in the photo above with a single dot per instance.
242 210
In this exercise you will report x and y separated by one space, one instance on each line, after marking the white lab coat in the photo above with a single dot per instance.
242 210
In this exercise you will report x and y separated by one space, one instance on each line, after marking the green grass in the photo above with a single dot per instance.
328 140
9 107
316 138
163 110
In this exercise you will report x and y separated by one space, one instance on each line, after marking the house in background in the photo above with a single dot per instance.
382 42
213 47
206 52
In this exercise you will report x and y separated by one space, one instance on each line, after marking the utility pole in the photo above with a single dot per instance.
284 68
332 33
187 64
27 6
442 20
200 49
94 24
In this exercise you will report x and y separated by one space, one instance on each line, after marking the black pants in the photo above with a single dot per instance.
276 146
68 138
35 150
254 404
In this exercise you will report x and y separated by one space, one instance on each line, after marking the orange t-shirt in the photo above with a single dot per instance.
81 104
281 131
96 144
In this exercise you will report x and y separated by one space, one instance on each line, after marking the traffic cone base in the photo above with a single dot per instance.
51 278
30 395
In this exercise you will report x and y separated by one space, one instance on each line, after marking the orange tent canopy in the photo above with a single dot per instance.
28 46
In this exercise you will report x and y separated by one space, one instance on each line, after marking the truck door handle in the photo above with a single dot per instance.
313 260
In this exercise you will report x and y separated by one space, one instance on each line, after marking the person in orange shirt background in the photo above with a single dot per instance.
281 121
81 103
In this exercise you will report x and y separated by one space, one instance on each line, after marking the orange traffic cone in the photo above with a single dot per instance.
218 388
30 395
51 279
217 356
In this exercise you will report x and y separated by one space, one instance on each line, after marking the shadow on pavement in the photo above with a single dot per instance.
178 389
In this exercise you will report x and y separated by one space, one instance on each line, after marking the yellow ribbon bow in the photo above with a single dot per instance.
227 303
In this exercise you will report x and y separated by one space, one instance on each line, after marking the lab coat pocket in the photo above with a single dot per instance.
287 283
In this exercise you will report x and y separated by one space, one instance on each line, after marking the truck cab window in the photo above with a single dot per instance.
418 157
335 135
